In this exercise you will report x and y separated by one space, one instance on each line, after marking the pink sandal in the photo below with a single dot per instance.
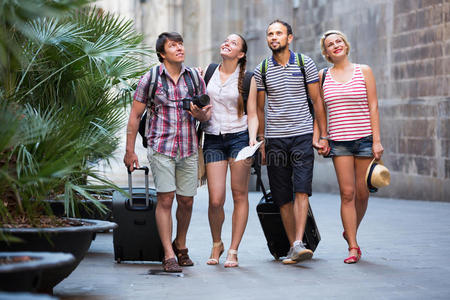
353 259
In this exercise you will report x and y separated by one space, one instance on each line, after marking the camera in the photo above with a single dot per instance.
201 101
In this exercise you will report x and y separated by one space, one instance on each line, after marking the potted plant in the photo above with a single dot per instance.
67 74
22 271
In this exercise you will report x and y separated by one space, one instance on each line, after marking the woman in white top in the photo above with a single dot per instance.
231 128
350 95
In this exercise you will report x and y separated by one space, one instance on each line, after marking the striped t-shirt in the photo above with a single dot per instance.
287 111
348 109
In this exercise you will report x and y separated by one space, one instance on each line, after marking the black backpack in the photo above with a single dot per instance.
152 82
301 63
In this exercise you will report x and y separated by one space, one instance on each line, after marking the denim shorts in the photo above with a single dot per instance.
223 146
360 147
290 163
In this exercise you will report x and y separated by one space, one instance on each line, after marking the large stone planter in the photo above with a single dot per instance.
25 296
74 240
25 276
89 211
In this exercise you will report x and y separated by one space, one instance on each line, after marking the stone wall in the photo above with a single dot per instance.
406 42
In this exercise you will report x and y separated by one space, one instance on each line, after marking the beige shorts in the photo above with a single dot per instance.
174 174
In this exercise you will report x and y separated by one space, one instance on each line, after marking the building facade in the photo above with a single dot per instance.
406 42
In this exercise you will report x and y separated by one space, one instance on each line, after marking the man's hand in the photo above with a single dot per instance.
131 161
201 114
262 150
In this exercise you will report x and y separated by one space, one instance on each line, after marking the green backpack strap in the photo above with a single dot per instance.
301 63
263 69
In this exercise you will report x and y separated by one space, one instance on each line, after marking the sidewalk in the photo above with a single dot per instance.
405 255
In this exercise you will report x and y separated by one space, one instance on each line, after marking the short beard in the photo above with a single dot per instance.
278 50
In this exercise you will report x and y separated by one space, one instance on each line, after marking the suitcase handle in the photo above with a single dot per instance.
257 168
130 185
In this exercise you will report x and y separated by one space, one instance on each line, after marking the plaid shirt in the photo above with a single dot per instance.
171 128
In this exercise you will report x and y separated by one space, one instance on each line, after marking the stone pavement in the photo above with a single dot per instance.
405 255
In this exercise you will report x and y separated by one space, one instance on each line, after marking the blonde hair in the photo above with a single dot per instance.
325 35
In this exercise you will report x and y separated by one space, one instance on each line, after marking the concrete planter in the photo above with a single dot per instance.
74 240
25 276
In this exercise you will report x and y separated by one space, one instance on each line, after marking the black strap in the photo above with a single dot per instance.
308 98
196 78
209 72
246 88
155 84
188 80
324 74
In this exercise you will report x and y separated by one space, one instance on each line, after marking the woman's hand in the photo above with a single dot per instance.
321 146
377 150
252 142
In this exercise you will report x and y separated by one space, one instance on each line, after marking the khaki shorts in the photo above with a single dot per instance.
174 174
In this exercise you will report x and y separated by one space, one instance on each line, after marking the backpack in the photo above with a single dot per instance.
144 123
301 63
247 80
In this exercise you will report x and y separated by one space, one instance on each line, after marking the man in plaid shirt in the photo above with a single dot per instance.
172 144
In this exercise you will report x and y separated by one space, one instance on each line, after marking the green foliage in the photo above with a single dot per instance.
68 73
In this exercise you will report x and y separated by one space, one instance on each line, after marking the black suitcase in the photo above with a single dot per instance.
136 237
272 225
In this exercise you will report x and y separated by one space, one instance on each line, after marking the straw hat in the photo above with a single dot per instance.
377 175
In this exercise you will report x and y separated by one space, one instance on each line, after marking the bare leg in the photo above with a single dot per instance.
362 193
300 214
183 214
287 216
216 177
164 221
344 166
240 175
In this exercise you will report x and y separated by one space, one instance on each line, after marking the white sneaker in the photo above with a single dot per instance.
288 260
300 253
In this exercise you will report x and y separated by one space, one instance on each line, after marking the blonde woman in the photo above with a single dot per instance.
350 96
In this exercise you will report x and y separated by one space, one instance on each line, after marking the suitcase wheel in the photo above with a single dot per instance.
118 260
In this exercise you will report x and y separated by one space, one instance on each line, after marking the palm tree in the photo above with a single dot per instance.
68 72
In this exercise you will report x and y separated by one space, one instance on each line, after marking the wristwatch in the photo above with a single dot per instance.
324 138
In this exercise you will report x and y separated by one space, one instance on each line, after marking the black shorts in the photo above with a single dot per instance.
290 163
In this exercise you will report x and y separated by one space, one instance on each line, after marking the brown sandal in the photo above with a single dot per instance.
182 256
170 265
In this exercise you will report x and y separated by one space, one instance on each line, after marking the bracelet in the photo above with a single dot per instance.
259 138
324 138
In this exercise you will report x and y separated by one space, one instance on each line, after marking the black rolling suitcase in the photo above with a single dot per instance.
272 225
136 237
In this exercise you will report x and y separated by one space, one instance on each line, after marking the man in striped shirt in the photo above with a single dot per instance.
172 144
288 133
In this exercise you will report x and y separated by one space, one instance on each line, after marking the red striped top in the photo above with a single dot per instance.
348 109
